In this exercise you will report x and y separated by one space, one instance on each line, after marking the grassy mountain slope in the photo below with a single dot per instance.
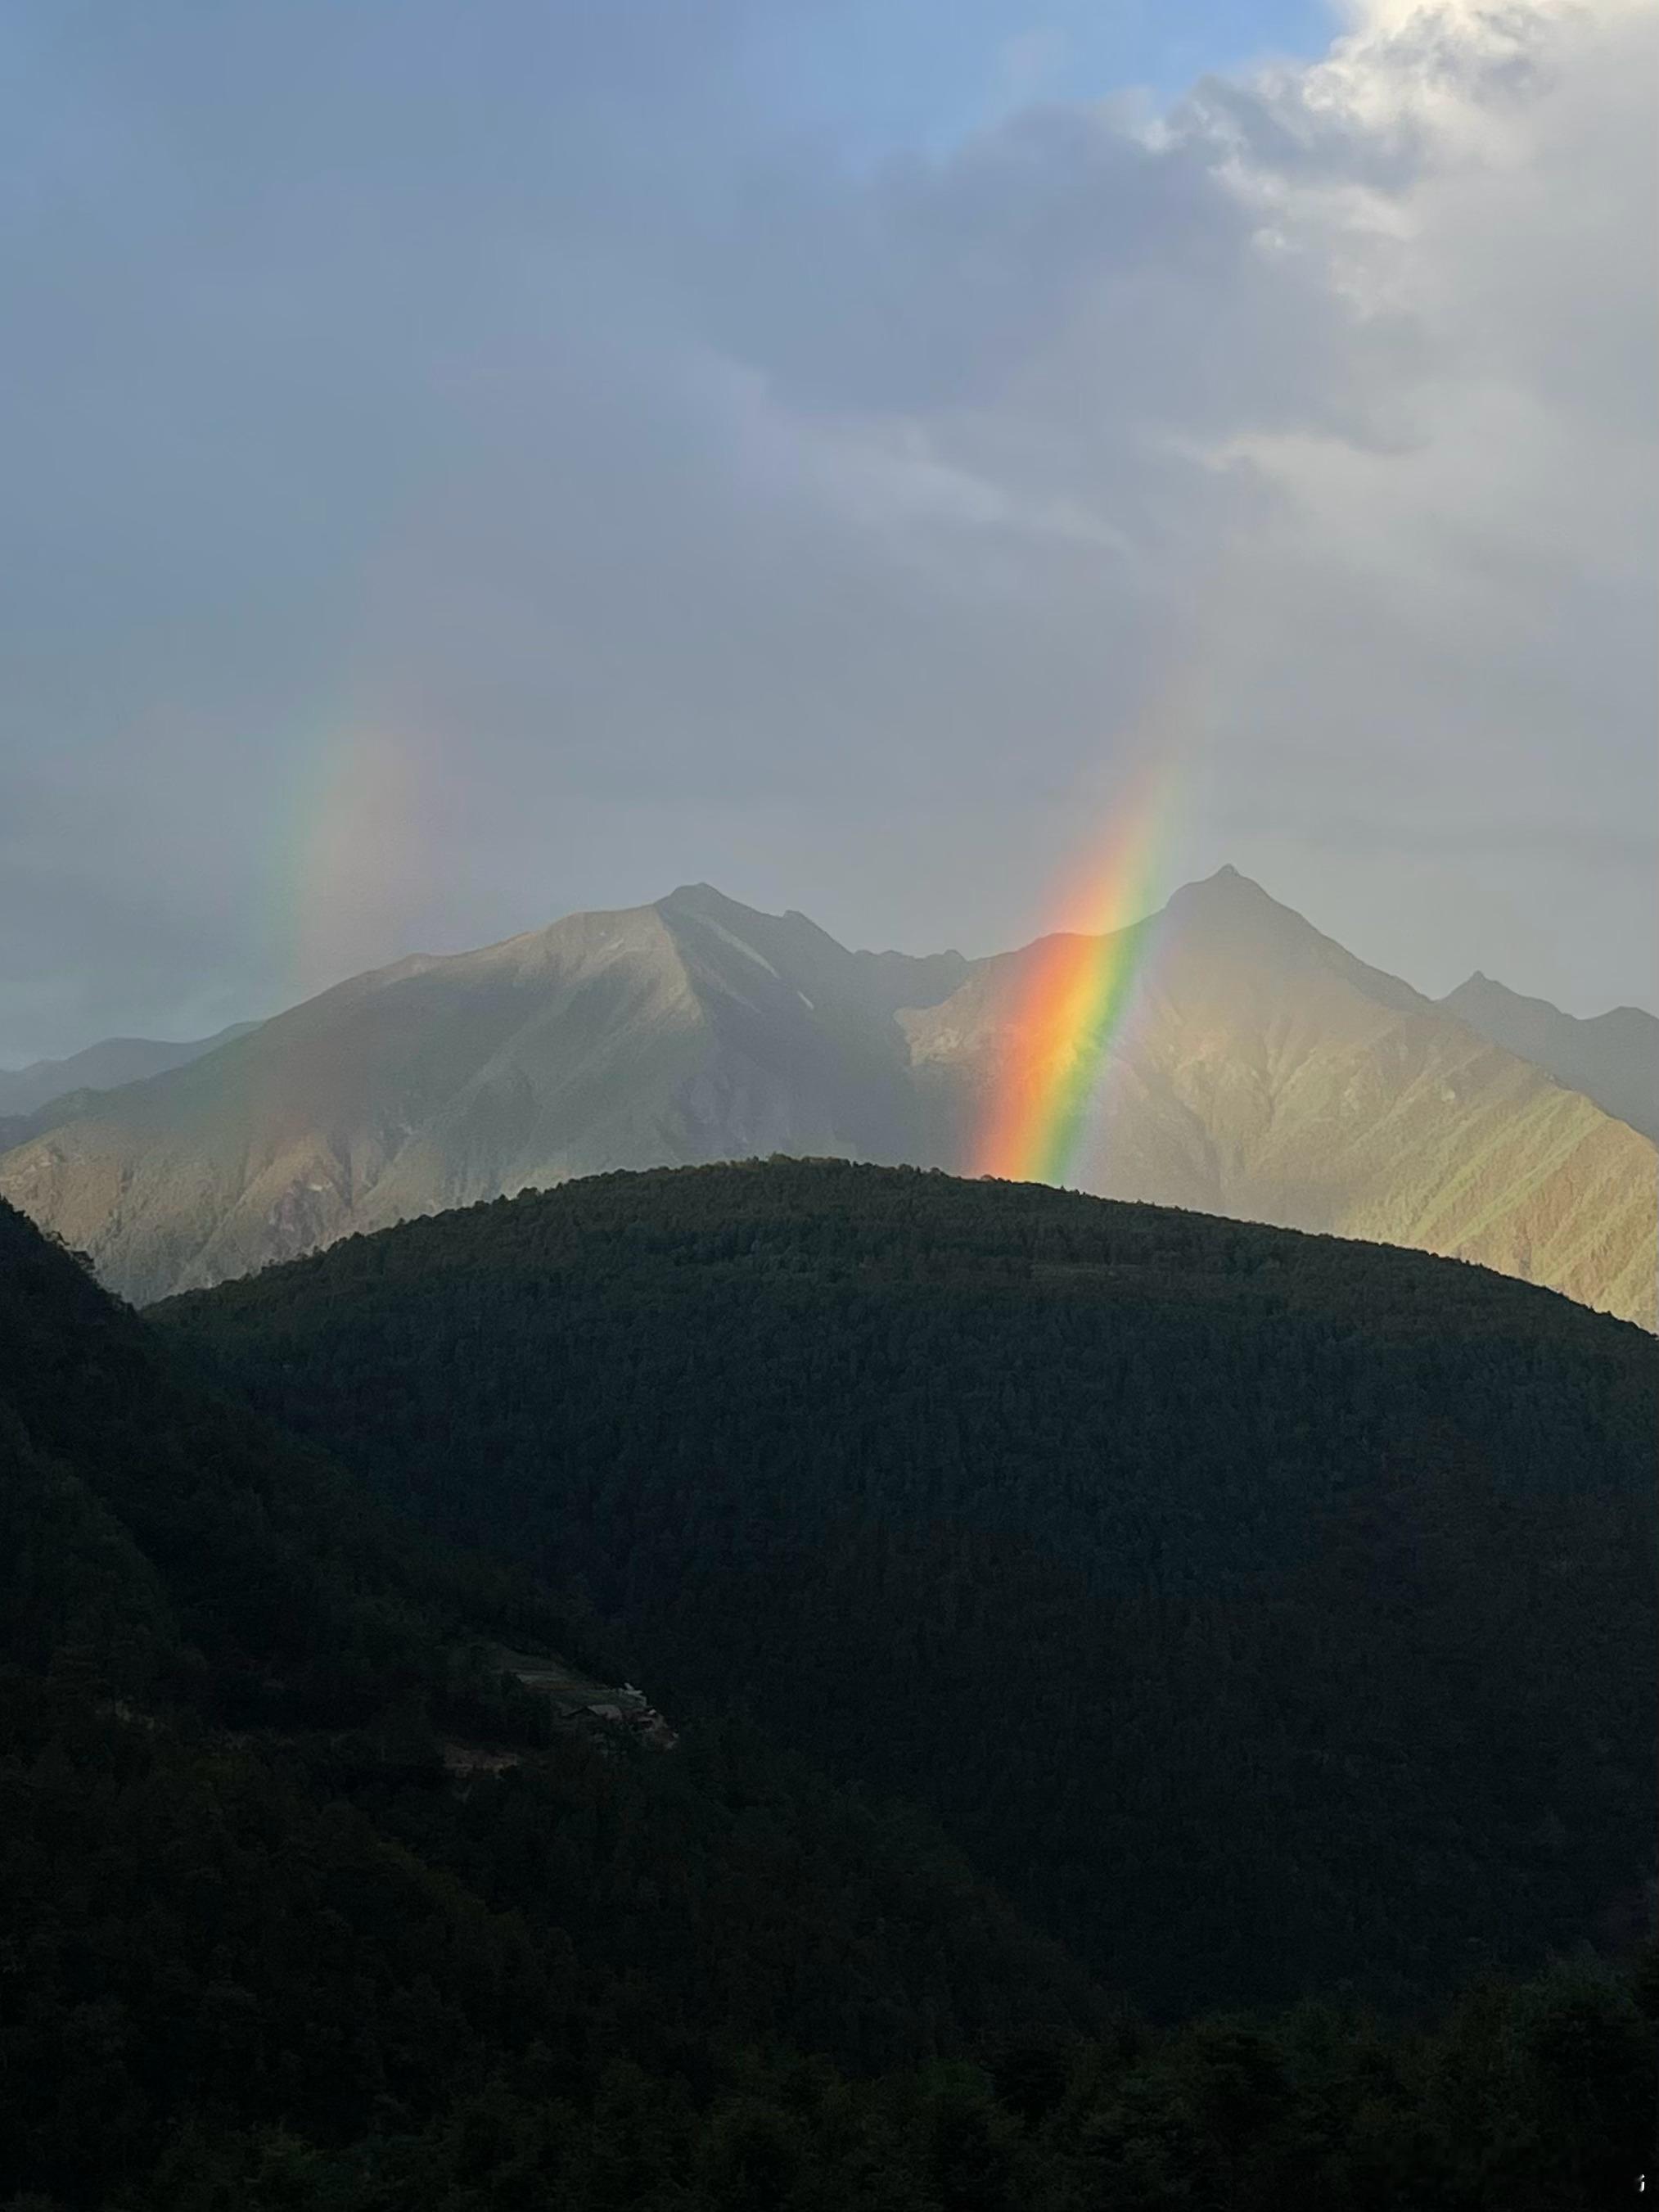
684 1031
1268 1074
1613 1058
1268 1612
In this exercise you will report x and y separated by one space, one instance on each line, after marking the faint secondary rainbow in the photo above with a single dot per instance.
349 858
1071 1000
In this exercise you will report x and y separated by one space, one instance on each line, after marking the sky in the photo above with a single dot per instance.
466 465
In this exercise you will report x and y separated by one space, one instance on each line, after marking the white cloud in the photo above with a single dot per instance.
1360 358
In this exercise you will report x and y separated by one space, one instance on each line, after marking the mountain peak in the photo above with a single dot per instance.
1235 899
1479 984
698 898
1227 883
706 902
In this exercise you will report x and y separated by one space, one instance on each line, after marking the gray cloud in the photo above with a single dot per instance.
680 499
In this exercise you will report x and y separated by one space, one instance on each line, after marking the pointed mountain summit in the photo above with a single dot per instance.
1228 921
1264 1073
1230 901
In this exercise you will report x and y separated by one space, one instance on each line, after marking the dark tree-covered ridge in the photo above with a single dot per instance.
239 1890
1267 1614
259 1949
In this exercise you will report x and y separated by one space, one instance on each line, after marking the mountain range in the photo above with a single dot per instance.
1266 1074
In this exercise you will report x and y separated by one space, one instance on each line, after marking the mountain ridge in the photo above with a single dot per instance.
107 1065
1267 1074
1613 1058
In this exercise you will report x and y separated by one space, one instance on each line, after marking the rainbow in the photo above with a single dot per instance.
348 856
1071 993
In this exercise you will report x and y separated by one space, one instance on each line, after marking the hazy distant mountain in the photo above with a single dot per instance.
1611 1058
102 1067
1268 1074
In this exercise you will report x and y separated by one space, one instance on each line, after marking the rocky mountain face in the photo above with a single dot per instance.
1613 1058
1265 1074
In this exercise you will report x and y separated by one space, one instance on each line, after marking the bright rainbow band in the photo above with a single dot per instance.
1072 992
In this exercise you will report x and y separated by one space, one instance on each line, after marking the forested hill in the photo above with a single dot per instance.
306 1905
254 1925
1267 1614
162 1544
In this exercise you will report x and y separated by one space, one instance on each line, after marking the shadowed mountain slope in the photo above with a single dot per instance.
1265 1612
1613 1058
301 1890
1266 1073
